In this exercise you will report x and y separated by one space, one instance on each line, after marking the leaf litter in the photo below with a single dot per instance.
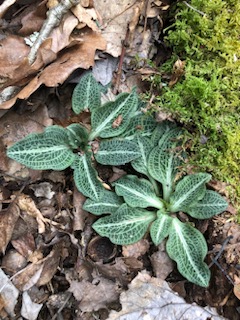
45 233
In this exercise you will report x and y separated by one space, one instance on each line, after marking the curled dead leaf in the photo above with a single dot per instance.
116 123
178 71
8 219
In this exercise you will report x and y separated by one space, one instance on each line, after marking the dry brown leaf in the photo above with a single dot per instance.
236 290
17 126
178 71
28 277
3 157
61 36
161 263
94 296
133 263
137 249
50 265
27 204
8 219
86 16
12 262
114 17
25 245
78 213
38 273
78 56
33 20
117 271
13 50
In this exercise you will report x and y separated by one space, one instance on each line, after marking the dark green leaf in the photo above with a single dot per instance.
211 204
85 177
127 225
86 94
43 151
116 152
187 246
108 203
189 191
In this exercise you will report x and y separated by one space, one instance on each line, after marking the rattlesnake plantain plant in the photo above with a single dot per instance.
138 204
113 124
154 204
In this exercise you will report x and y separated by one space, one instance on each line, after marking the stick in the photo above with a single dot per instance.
54 17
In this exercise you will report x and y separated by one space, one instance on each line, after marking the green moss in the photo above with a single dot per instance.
207 98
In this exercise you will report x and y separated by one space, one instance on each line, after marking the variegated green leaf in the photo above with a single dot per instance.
77 135
125 226
86 94
211 204
189 191
170 139
109 202
116 152
43 151
187 246
144 146
160 228
141 124
137 192
112 118
163 162
85 177
161 129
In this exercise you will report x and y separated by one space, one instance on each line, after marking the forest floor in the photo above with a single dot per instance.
53 265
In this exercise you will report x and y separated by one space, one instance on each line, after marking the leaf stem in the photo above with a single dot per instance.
155 185
167 190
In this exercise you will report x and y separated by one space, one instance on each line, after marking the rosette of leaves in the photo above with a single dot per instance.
112 124
153 202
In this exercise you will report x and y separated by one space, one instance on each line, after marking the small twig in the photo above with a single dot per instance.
54 17
189 6
63 305
220 251
214 260
145 16
125 44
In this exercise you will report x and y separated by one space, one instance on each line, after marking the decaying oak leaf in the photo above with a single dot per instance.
8 219
151 298
94 296
80 55
39 273
86 16
61 36
13 49
114 19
